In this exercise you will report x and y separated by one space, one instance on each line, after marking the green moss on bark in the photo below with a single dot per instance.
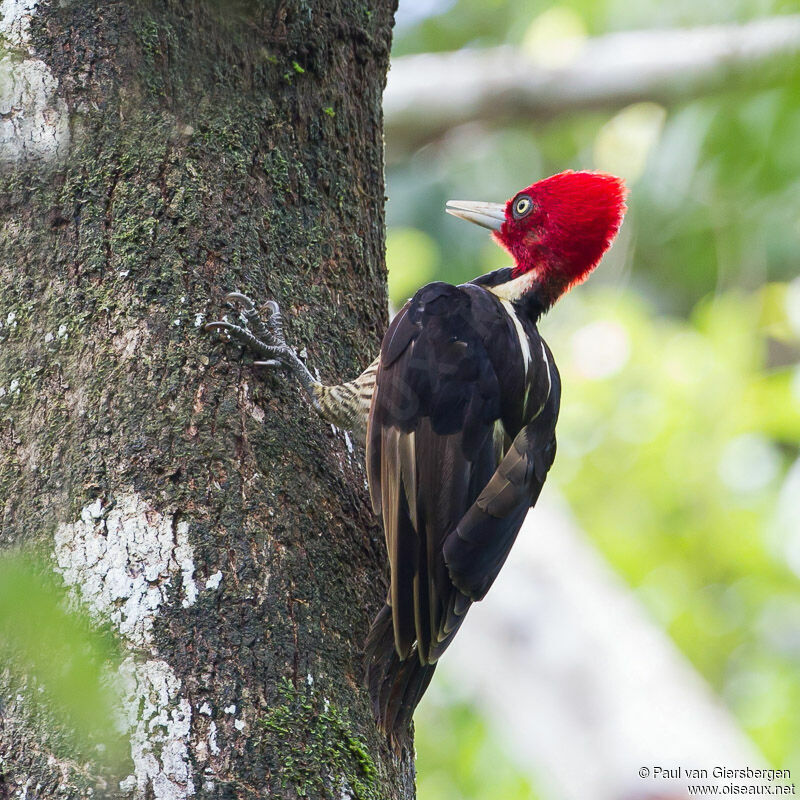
325 758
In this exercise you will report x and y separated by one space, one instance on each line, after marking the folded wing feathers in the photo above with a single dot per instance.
478 547
513 473
434 442
402 542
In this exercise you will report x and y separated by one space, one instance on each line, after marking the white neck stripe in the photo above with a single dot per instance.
515 289
524 344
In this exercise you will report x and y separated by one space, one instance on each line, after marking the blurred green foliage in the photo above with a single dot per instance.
458 756
438 25
676 440
679 438
61 661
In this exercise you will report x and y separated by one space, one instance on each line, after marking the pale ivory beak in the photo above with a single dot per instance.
487 215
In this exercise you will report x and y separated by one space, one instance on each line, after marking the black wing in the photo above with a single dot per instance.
478 547
439 425
430 448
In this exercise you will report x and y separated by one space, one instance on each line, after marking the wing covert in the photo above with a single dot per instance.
478 547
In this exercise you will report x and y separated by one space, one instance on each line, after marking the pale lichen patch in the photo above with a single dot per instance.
184 555
123 558
34 120
214 581
15 19
212 739
346 793
160 723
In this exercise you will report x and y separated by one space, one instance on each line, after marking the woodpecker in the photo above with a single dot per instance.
458 415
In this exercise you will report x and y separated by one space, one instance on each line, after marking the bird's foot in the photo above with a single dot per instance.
263 338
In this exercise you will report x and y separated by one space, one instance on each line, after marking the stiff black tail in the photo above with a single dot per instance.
395 685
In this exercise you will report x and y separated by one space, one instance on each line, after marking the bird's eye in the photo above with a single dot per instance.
522 206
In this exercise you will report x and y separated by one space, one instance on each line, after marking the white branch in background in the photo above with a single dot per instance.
34 121
583 686
428 94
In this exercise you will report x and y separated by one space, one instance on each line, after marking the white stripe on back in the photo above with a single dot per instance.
521 335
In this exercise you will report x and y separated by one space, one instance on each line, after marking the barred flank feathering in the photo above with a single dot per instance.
347 404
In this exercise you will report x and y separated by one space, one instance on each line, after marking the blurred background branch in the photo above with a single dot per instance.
430 93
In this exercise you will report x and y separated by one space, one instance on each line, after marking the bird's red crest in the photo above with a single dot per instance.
560 227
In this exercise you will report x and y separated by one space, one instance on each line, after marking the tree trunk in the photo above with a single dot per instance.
155 156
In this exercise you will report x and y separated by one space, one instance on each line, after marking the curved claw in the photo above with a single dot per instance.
218 326
274 323
233 297
265 339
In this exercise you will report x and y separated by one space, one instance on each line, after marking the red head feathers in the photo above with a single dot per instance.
556 230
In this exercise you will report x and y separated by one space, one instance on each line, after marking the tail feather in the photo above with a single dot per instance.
395 686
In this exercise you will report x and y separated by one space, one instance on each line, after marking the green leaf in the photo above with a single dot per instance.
64 663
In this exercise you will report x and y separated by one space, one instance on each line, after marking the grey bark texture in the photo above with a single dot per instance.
212 146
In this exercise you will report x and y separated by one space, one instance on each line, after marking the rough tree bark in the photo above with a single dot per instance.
156 155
